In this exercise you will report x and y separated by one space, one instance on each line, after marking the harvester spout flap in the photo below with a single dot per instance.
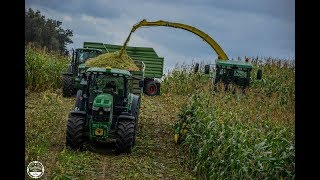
103 100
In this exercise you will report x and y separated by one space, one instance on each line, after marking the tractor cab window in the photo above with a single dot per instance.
83 55
107 83
113 84
240 73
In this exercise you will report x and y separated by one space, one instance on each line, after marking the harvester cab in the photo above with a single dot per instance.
71 79
105 110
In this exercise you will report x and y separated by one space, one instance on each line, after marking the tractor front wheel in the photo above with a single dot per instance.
125 136
67 86
75 132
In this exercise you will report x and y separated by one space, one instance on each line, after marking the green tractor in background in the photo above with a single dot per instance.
230 72
71 79
105 110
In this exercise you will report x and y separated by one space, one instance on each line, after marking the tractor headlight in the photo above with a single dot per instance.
107 109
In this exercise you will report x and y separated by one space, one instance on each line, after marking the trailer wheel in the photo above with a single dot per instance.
151 88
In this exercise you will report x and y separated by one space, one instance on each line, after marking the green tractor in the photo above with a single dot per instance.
231 72
105 110
71 79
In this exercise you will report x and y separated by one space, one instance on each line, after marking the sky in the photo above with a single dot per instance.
251 28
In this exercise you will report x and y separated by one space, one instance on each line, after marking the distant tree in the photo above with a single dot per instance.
46 32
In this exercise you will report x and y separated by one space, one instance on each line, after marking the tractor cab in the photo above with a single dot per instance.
71 79
81 55
107 85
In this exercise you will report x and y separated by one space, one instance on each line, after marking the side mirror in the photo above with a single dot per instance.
259 74
196 68
206 69
141 83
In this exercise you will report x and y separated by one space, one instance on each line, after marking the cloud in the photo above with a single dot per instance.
67 18
98 8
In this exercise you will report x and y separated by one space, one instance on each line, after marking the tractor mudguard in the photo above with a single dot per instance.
135 103
123 117
70 67
67 74
75 113
79 101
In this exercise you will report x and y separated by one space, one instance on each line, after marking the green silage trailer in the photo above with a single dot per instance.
152 62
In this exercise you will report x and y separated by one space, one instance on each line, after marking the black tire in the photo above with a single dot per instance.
75 136
135 113
206 69
125 136
196 68
158 91
67 86
259 74
151 88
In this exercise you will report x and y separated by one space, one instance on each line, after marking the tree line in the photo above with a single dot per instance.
45 32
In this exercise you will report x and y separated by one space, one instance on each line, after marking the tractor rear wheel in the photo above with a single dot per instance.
75 137
125 136
67 86
151 88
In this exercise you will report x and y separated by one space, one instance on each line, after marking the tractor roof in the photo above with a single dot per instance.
229 63
94 49
109 70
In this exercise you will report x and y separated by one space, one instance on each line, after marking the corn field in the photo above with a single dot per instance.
235 135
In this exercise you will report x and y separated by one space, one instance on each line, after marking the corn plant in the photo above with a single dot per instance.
43 69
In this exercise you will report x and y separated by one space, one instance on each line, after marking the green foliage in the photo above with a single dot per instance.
239 136
183 81
46 32
42 69
222 145
278 76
